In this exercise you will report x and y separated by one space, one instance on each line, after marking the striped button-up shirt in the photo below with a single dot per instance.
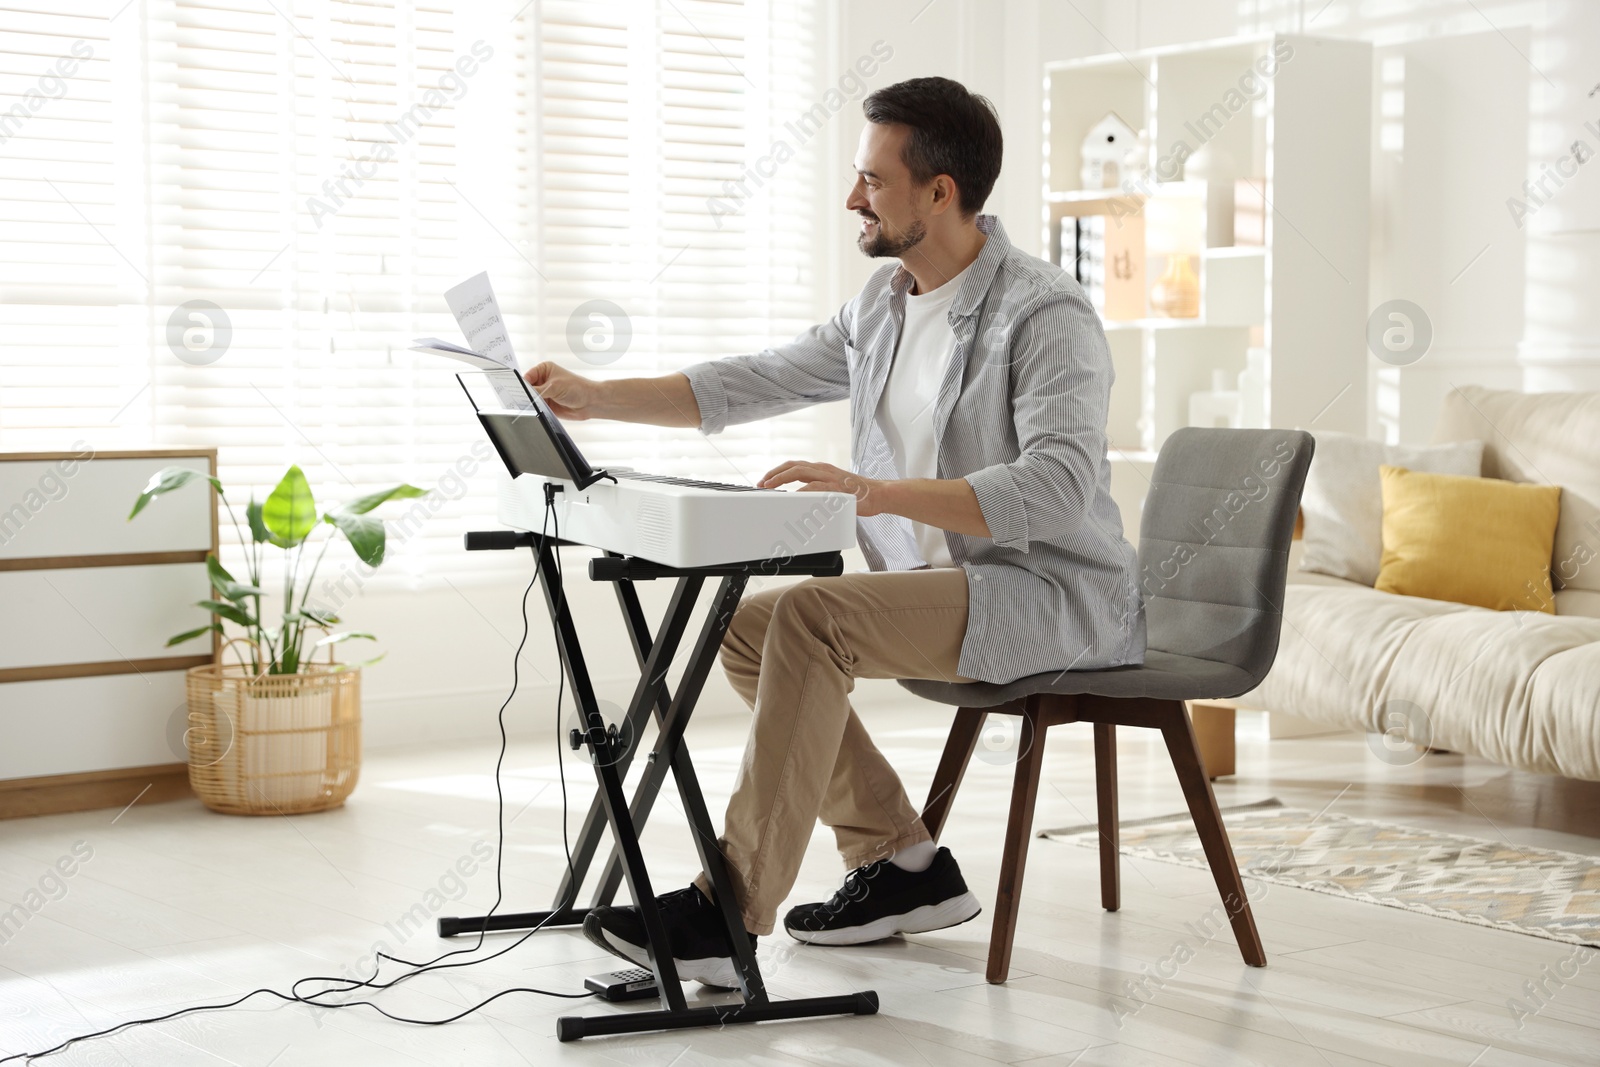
1020 414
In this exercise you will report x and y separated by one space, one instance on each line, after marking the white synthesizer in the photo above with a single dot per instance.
681 522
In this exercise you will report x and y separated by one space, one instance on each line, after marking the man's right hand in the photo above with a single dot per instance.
664 401
570 396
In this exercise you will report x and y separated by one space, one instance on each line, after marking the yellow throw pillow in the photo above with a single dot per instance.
1478 541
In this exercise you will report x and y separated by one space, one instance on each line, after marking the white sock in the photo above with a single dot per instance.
915 858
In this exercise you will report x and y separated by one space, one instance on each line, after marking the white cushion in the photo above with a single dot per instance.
1343 499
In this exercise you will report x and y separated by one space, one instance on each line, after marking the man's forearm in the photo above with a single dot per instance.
946 503
664 401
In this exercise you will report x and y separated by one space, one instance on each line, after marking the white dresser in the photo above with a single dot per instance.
92 707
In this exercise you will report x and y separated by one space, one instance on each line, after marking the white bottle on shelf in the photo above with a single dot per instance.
1253 390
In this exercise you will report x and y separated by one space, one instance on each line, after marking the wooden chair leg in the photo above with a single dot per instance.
1105 779
1179 735
1019 828
958 748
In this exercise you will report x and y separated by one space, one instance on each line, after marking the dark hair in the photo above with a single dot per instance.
953 132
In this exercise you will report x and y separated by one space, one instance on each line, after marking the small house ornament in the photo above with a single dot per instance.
1104 147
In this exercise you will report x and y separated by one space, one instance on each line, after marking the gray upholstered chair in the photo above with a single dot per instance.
1213 557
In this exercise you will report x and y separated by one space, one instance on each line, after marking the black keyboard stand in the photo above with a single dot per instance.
611 751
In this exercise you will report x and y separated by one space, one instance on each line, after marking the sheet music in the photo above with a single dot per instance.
465 355
488 342
509 390
478 314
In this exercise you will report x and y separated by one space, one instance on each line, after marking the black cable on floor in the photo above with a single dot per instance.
347 985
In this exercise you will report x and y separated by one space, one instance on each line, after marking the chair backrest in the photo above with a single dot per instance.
1214 542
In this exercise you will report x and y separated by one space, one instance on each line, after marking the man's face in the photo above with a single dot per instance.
888 201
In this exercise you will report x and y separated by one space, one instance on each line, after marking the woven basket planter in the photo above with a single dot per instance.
273 744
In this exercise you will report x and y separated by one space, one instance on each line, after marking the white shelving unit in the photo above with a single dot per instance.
1304 139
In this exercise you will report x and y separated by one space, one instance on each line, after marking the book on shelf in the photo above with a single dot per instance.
1107 257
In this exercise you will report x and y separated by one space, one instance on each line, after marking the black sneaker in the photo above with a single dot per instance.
700 947
880 900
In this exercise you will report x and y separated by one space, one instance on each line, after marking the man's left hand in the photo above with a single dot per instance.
826 478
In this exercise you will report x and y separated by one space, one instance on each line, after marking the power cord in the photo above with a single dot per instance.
347 985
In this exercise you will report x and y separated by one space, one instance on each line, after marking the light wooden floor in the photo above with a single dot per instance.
178 906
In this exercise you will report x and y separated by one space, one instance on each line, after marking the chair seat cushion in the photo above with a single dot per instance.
1164 676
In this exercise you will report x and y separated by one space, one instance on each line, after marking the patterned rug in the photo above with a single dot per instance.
1535 891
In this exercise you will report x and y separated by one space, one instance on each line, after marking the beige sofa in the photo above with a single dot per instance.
1518 688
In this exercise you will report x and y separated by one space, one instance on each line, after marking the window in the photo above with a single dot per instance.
296 184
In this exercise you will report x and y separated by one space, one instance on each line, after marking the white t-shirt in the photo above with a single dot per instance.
905 411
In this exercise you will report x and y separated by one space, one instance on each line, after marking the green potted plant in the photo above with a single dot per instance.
275 732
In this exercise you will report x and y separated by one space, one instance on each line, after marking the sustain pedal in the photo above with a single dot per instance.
623 985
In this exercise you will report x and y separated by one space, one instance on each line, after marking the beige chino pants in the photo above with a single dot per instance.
793 654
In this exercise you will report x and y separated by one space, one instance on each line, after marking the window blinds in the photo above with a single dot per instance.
690 93
306 179
66 296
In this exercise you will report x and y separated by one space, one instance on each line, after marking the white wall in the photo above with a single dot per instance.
1561 346
1441 238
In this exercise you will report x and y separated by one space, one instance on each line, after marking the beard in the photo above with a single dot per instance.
881 244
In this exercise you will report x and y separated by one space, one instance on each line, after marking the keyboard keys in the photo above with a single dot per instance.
690 483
